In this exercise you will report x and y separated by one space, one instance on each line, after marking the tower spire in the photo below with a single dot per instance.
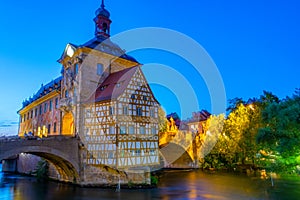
102 21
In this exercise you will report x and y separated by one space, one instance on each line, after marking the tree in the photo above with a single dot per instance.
211 142
281 133
162 120
267 98
234 103
241 128
42 170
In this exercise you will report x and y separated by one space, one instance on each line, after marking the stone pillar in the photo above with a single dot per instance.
140 175
10 165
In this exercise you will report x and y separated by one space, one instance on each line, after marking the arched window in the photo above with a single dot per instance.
104 27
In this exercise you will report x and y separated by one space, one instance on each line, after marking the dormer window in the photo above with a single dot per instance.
119 84
103 87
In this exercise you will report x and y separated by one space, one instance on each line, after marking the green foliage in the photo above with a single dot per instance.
234 103
162 120
130 184
240 134
154 180
213 128
280 134
263 132
42 170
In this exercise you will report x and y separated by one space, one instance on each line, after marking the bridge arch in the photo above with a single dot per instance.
176 156
66 164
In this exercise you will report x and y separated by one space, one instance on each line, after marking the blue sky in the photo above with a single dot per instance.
255 44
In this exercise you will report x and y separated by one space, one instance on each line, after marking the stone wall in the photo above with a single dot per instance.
10 165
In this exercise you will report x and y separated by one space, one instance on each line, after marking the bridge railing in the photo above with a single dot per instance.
9 138
17 138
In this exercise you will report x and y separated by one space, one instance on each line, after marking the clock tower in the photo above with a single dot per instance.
102 22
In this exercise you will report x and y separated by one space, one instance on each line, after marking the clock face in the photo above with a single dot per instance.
70 51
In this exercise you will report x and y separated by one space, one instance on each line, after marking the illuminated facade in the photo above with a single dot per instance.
104 99
197 122
40 115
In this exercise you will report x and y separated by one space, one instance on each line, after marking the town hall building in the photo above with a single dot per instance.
101 97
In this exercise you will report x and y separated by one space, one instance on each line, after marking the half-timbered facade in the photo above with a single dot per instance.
121 122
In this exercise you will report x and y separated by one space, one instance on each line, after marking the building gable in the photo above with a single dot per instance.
138 91
68 52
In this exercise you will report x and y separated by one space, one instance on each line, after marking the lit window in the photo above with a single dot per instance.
142 130
153 130
138 152
75 92
50 105
152 151
45 107
111 130
122 153
152 113
103 87
76 68
104 27
99 69
138 145
122 129
70 51
139 112
119 84
88 112
110 155
131 129
56 103
125 110
49 128
111 110
54 127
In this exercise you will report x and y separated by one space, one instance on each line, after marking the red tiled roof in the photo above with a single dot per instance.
114 85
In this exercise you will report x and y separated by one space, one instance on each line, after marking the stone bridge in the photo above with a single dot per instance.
178 150
68 156
62 152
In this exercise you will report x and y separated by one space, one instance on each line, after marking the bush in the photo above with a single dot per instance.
42 170
154 180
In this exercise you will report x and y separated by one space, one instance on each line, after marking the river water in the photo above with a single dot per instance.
172 185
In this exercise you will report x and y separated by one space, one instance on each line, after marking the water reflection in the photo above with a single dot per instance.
173 185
